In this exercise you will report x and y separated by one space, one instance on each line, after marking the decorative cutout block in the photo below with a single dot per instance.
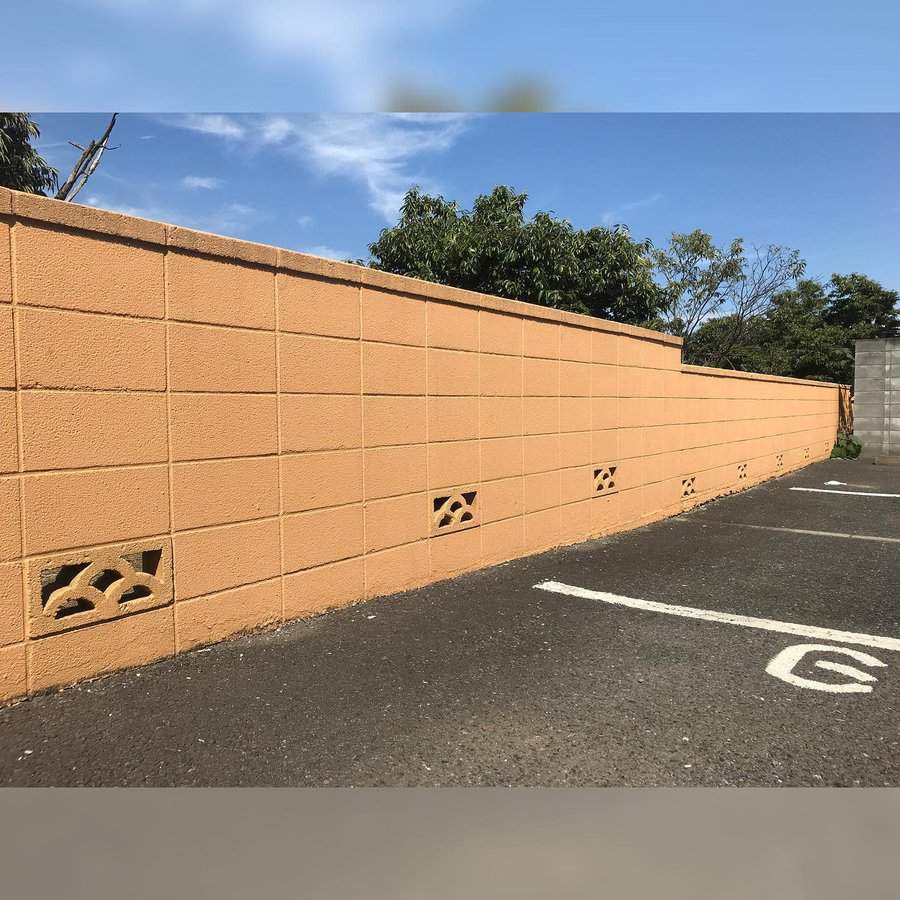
779 461
91 586
605 480
687 486
454 510
742 471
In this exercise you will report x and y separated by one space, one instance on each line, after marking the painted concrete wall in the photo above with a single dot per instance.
200 436
876 396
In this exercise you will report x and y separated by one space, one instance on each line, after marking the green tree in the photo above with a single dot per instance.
493 249
863 306
810 330
700 279
21 166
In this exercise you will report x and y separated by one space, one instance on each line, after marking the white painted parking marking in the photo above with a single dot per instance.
711 615
840 668
836 534
850 493
783 664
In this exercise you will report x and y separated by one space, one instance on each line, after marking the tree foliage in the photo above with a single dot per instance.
863 306
493 249
810 330
700 280
21 166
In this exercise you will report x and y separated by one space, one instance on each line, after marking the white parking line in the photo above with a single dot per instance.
710 615
837 534
852 493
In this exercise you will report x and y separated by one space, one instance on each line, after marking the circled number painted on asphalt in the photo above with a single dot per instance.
783 666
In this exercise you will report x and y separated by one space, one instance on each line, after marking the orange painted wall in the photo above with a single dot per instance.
200 436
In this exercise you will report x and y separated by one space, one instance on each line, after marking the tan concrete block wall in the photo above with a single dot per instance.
201 436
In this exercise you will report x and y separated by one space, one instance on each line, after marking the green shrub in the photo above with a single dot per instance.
846 446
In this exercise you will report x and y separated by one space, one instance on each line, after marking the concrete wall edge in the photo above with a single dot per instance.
176 237
711 371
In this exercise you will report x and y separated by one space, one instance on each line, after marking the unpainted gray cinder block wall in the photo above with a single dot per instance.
876 396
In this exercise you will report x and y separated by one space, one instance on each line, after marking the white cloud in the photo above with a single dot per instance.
241 209
377 150
233 219
328 252
229 219
129 209
275 130
615 214
304 221
201 182
215 124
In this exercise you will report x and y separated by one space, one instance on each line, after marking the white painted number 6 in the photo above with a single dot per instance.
782 666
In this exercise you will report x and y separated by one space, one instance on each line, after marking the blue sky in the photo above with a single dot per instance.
653 55
826 185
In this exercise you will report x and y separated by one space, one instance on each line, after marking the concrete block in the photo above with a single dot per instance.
451 327
325 587
318 365
78 350
324 422
318 480
99 506
396 521
202 426
542 339
223 491
500 333
75 429
870 384
12 618
229 556
220 292
392 369
87 652
323 536
219 616
393 318
12 672
317 306
203 358
73 270
863 370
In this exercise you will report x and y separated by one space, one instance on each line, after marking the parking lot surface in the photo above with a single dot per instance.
752 641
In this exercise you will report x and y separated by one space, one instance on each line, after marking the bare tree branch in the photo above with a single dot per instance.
86 164
771 269
700 280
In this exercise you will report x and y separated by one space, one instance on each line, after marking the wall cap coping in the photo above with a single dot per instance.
86 218
100 221
207 244
877 345
689 369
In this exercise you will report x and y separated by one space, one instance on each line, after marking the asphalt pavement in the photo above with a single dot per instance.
661 656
